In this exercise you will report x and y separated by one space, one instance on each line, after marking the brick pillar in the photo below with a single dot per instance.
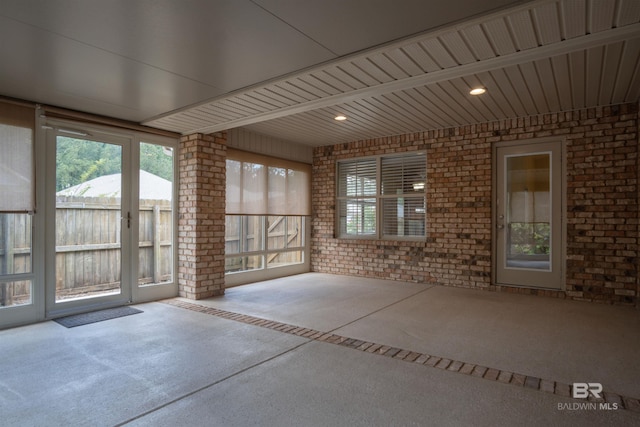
202 164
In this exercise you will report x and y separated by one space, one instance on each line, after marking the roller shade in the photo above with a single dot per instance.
17 125
263 185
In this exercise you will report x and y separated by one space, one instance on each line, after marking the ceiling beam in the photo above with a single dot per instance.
556 49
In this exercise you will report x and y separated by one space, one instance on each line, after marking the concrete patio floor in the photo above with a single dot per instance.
323 350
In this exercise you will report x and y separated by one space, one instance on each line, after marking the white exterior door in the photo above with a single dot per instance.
529 232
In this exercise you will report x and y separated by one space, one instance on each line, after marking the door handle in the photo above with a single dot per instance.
500 226
128 218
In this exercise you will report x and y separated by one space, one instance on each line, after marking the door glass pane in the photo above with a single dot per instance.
88 218
156 215
528 213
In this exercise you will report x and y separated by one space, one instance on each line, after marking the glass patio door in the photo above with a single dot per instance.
91 222
528 216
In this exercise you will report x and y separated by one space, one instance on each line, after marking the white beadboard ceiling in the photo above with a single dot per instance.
536 57
285 68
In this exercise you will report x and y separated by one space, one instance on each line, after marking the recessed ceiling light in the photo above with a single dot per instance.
340 118
477 91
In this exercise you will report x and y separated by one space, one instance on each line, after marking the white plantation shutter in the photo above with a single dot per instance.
357 178
16 158
399 174
403 195
357 183
262 185
382 197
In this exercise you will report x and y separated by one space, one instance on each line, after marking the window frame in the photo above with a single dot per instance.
267 271
379 197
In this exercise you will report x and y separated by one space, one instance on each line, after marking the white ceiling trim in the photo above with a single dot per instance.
551 50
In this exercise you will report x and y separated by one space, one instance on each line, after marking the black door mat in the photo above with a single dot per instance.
96 316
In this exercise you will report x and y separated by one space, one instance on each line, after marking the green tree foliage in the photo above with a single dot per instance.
78 161
154 159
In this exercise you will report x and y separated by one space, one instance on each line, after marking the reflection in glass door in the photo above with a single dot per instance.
528 219
528 211
89 217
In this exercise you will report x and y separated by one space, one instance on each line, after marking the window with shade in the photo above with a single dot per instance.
382 197
16 204
268 202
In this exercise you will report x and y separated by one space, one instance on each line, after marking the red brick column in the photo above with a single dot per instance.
202 164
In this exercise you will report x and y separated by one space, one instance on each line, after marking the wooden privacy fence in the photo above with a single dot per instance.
15 257
245 235
88 242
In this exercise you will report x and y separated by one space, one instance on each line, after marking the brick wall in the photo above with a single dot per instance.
602 200
202 164
601 217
